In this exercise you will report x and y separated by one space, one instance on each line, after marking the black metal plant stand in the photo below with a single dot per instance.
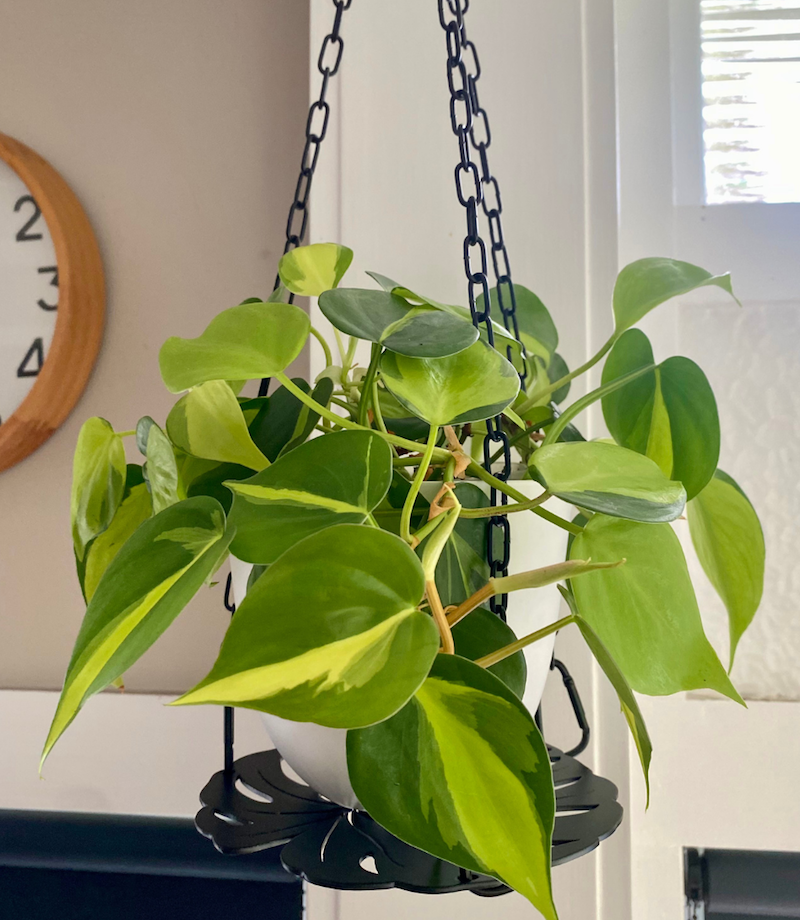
252 804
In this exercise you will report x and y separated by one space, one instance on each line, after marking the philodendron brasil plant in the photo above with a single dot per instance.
366 607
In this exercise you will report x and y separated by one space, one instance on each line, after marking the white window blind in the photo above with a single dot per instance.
751 100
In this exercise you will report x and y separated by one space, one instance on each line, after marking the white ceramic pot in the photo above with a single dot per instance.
318 755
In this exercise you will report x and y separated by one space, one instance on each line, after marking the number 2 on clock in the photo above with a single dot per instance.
23 234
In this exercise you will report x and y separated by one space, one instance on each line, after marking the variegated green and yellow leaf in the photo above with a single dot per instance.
208 422
310 270
243 343
329 634
462 772
134 510
98 482
335 479
609 479
148 583
161 471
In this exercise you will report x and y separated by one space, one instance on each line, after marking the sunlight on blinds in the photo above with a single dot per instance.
751 100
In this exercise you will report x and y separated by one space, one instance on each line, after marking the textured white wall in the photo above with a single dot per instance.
752 359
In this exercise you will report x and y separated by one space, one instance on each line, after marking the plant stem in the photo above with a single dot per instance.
325 348
497 510
477 470
422 469
439 454
542 392
439 617
376 409
502 653
125 434
366 392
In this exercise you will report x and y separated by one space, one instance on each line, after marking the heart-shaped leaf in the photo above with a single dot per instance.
729 542
387 319
645 612
134 509
645 284
310 270
98 482
477 383
208 422
556 370
335 479
282 422
503 339
243 343
536 327
330 633
161 470
147 584
461 772
610 479
669 414
483 632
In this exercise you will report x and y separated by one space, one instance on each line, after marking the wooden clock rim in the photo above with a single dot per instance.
81 308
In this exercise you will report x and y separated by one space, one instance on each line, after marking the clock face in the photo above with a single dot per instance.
28 291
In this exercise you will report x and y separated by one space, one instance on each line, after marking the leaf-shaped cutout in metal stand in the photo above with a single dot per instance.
257 806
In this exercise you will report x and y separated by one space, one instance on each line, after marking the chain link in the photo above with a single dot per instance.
476 186
330 57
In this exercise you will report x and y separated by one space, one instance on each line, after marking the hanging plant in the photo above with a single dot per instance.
353 615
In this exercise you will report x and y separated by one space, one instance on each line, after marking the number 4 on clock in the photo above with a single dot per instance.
32 363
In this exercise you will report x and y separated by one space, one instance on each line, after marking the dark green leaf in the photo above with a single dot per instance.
483 632
555 371
387 319
536 327
669 414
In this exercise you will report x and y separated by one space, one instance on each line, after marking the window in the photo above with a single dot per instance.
751 100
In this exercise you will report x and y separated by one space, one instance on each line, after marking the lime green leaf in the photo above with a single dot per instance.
134 510
310 270
729 541
161 470
475 384
669 413
645 284
610 479
483 632
536 327
98 482
336 479
627 701
243 343
387 319
330 633
645 612
461 772
148 583
208 422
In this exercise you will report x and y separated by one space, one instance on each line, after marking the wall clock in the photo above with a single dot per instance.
52 300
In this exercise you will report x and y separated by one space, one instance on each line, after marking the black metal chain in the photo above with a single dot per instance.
330 57
470 125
